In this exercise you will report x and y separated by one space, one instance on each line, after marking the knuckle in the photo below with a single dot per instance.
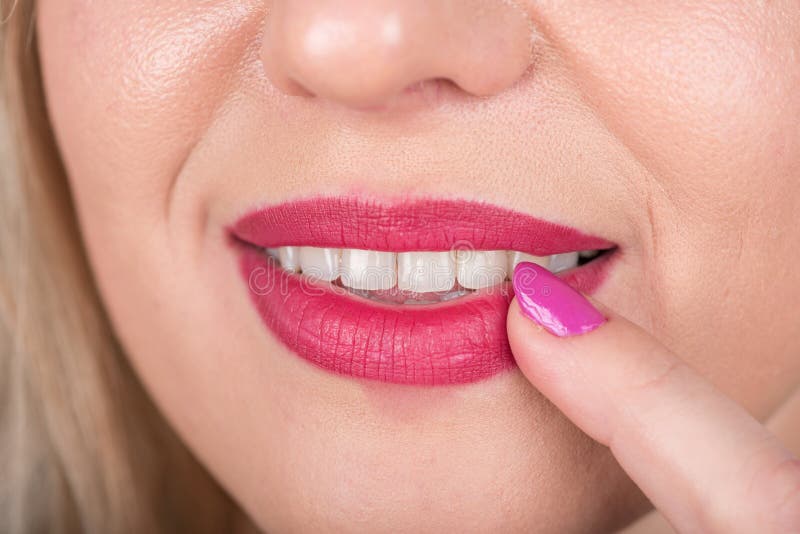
652 383
658 380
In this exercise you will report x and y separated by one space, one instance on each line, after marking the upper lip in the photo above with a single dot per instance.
463 340
408 225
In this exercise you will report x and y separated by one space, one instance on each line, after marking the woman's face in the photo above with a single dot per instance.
667 128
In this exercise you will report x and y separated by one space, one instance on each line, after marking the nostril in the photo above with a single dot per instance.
430 86
293 88
424 94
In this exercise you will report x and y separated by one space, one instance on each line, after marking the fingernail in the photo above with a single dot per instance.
550 302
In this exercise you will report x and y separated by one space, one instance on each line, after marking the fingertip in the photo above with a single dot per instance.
550 302
538 353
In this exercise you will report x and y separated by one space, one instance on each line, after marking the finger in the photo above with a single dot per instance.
701 458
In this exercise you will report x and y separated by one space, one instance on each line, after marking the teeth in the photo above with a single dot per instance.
482 268
516 257
368 269
289 258
417 272
562 262
424 272
320 263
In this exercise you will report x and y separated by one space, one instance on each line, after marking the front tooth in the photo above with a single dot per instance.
368 269
320 263
423 272
289 258
516 257
481 268
562 262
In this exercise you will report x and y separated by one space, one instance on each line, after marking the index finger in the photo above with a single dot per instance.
700 457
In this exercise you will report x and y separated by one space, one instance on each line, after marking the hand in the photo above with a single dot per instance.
703 461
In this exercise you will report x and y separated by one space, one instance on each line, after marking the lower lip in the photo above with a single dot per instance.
455 342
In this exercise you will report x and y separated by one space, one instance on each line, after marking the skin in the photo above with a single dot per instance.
667 127
710 470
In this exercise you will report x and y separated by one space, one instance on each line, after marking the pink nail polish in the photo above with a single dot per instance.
550 302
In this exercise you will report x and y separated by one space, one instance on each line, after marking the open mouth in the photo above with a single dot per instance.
407 292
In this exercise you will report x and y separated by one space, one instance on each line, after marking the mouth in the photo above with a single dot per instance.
411 292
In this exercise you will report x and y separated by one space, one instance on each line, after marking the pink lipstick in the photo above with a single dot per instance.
454 341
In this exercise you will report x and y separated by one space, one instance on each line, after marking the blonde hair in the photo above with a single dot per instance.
82 448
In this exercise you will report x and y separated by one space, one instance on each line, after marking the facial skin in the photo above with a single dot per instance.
667 127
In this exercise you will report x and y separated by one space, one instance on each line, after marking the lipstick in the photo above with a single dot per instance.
455 341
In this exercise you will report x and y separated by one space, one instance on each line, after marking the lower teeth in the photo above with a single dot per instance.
398 296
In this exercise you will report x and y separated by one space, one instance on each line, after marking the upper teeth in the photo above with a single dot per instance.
413 271
424 272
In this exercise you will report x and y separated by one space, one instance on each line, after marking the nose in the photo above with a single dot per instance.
365 53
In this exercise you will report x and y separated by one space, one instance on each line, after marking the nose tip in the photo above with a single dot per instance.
364 53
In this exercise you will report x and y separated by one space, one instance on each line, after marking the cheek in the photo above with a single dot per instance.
704 96
131 88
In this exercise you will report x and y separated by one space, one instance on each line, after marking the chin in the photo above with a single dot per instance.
365 456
